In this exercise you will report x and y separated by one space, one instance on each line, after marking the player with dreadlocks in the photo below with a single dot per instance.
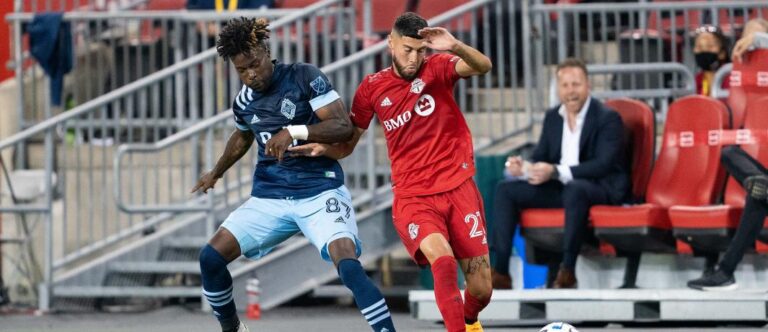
280 105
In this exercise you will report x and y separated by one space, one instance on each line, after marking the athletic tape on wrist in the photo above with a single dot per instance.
298 132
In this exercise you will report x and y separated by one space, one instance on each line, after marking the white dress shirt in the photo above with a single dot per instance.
569 146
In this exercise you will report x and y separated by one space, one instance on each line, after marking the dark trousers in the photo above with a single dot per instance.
513 196
741 165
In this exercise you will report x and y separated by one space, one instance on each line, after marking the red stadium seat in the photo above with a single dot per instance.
545 227
639 126
166 4
148 32
728 23
383 12
430 9
737 103
710 228
681 176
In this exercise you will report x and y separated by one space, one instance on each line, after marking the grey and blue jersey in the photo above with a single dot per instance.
295 93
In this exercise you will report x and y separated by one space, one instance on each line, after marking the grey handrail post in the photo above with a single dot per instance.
46 290
720 76
561 43
18 72
527 65
210 219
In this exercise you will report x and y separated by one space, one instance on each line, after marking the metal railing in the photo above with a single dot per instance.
118 47
613 33
721 75
368 168
657 98
69 5
78 213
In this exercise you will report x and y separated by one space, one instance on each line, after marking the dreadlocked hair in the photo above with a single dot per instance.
243 36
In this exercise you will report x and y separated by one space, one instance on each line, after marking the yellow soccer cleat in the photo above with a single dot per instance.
475 327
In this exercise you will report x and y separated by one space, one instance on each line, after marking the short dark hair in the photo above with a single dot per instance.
243 36
572 63
408 24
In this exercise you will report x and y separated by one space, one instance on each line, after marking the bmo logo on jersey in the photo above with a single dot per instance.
424 107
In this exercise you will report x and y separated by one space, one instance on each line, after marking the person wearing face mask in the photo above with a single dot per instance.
710 50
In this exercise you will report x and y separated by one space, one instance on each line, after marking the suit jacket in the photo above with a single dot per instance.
601 149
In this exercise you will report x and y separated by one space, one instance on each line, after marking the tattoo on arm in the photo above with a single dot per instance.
476 264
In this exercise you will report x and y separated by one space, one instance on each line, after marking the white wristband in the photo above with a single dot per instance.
298 132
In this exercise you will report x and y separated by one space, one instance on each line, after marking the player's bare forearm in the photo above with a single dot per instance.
476 62
237 146
335 127
336 151
339 151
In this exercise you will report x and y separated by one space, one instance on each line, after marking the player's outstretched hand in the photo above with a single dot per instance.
308 150
207 181
438 39
278 144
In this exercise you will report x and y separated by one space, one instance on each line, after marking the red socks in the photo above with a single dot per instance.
447 293
473 306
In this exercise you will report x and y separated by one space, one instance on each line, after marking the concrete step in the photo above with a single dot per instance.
615 305
107 291
191 267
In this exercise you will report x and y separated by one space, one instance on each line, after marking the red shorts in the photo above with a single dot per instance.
457 214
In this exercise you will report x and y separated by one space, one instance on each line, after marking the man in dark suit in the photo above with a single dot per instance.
577 163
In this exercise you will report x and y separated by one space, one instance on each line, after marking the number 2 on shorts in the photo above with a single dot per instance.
475 219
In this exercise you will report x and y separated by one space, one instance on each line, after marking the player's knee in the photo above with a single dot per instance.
434 246
210 259
342 248
481 289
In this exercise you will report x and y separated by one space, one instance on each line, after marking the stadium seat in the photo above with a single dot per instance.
430 9
166 4
737 103
544 228
710 228
383 12
694 19
680 176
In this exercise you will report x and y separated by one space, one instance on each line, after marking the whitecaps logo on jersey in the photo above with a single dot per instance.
288 109
417 85
425 105
318 85
413 230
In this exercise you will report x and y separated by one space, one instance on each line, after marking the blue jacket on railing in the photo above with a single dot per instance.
50 41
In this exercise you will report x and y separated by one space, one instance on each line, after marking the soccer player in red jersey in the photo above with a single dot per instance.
437 211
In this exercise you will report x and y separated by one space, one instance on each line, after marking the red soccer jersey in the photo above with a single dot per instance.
428 140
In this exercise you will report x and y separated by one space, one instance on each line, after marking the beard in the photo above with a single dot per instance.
401 70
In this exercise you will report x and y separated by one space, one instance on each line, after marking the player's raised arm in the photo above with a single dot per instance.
472 62
238 144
